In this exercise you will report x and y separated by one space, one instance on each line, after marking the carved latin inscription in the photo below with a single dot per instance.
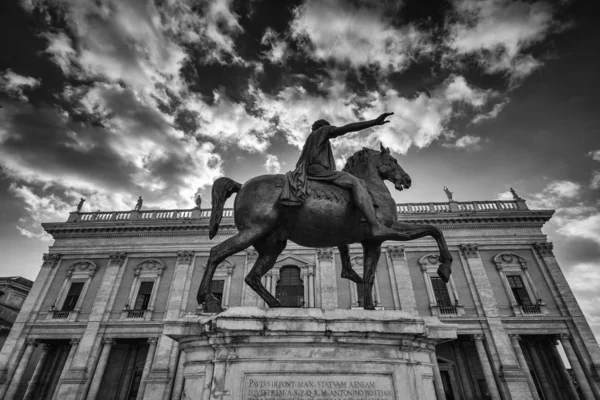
318 386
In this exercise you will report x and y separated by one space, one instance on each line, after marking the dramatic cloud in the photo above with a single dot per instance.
466 142
15 84
272 165
493 113
595 155
498 32
595 180
357 33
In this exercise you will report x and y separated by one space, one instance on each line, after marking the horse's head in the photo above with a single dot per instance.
390 170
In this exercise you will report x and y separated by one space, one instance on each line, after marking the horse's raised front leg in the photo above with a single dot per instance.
371 254
217 255
412 231
268 250
347 271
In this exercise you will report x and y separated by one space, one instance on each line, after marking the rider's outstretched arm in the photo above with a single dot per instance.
358 126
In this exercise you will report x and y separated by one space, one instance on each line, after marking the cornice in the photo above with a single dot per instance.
475 220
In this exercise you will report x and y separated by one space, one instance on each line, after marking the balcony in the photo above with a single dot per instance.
138 314
448 310
531 309
62 315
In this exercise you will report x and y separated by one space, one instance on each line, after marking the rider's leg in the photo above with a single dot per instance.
363 201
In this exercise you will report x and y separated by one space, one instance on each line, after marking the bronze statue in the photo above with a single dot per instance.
328 215
198 202
138 205
448 193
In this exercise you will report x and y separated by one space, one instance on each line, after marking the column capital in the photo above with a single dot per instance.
32 342
396 251
50 260
117 258
184 256
74 341
564 336
230 269
544 248
514 337
152 340
325 254
478 337
108 341
470 250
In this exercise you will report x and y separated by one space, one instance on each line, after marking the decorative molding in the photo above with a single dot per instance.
50 260
185 256
74 341
152 340
108 341
470 250
117 258
544 248
151 266
396 251
478 337
325 254
429 260
514 337
85 268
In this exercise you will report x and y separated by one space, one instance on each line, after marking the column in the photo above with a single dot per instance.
438 385
99 372
566 377
178 384
250 298
14 346
311 286
523 363
463 371
74 343
304 276
20 371
35 378
588 342
584 385
540 371
227 287
129 368
275 275
328 287
486 367
429 287
147 366
403 287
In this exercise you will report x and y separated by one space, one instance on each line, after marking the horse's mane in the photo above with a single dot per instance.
358 157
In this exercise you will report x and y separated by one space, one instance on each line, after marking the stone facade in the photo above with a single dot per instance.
113 283
13 291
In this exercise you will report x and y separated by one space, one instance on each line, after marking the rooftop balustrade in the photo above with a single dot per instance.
197 214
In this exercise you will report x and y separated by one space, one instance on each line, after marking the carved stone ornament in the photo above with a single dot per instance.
117 258
50 260
325 254
184 256
470 250
396 251
544 248
82 267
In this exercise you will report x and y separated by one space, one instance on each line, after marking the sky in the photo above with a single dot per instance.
110 100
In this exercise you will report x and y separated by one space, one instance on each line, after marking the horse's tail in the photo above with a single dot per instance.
221 190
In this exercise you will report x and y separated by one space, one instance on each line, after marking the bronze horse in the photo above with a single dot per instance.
327 218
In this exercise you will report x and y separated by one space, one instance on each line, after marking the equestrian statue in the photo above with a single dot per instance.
317 206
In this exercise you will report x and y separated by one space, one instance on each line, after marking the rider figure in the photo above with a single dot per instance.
317 163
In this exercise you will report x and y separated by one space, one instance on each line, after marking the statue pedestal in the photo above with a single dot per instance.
297 353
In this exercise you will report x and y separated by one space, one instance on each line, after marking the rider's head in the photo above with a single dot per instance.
319 124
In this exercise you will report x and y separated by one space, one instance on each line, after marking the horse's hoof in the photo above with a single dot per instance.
444 271
349 273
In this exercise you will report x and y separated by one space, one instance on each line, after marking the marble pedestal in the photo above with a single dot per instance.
296 354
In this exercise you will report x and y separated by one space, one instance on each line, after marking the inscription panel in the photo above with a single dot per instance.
300 386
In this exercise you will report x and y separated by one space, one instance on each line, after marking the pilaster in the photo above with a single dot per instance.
506 365
14 346
401 277
328 286
249 297
584 337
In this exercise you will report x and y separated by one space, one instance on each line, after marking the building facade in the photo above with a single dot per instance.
13 291
96 312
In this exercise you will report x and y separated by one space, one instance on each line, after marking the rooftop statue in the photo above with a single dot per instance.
80 205
448 194
138 205
317 206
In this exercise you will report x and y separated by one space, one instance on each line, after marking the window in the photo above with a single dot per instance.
217 288
290 290
441 292
143 298
72 296
518 290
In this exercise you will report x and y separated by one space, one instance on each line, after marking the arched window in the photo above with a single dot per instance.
290 290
